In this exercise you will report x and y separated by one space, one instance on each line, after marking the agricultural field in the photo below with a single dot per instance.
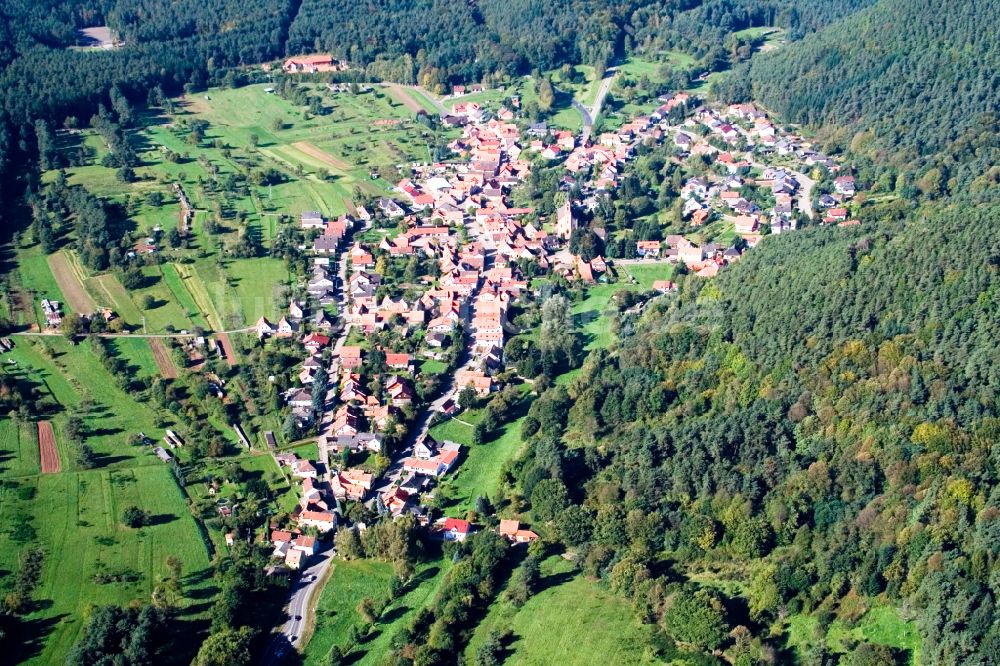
91 558
75 380
570 621
321 160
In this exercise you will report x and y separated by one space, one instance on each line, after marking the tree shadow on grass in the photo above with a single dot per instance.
555 580
161 519
32 635
394 614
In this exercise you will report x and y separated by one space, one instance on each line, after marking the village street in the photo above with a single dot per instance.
302 591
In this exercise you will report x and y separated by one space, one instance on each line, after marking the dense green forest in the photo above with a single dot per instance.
901 82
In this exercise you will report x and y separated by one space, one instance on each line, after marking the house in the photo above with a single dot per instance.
511 530
664 286
310 64
306 544
293 559
324 521
398 361
648 249
315 342
351 356
746 224
326 244
312 219
360 257
551 152
454 529
689 253
304 469
359 442
844 185
300 398
286 328
836 215
264 328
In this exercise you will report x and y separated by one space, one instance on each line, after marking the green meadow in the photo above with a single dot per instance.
570 621
349 583
90 557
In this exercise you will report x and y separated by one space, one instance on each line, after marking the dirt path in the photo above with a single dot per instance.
71 284
161 355
326 158
47 448
227 346
399 93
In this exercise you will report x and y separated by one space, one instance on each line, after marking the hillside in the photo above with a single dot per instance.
817 427
902 82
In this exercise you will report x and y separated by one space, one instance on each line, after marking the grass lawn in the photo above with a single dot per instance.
479 473
77 520
137 353
591 317
351 582
432 367
181 296
645 275
571 621
257 284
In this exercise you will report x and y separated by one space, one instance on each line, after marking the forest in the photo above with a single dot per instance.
804 424
904 83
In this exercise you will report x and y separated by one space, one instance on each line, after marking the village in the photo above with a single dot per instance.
463 244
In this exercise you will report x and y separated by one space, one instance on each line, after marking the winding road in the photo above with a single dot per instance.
303 588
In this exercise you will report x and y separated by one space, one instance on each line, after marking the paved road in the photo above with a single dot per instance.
590 115
289 637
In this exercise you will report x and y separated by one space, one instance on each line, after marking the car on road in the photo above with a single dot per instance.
298 617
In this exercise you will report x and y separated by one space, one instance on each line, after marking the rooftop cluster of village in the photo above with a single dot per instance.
438 284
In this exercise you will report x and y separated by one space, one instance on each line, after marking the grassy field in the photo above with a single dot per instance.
18 448
336 612
77 520
350 583
479 473
136 352
646 275
590 314
570 621
880 625
72 375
